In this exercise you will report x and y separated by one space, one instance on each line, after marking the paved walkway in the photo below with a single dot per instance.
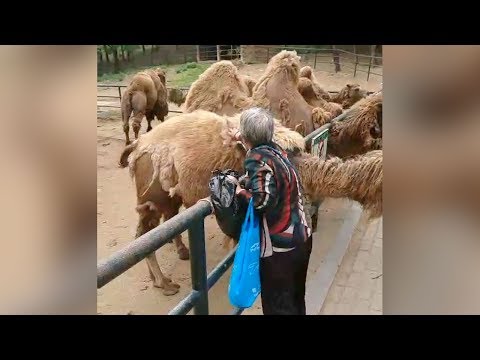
357 287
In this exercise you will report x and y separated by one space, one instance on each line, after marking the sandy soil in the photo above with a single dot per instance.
132 292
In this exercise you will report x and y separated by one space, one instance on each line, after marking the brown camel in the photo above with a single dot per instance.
146 95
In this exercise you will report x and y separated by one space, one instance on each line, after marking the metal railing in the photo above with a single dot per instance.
119 97
191 219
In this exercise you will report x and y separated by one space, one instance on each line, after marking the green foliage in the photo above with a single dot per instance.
185 67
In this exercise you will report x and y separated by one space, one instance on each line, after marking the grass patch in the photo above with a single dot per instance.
186 74
177 75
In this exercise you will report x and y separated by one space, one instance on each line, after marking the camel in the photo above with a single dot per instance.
172 164
313 98
146 95
176 96
360 131
249 82
349 95
277 91
220 89
307 72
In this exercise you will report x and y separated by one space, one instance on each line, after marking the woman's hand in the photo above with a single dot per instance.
236 182
234 133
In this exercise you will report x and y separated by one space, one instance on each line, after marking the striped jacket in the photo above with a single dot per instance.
276 191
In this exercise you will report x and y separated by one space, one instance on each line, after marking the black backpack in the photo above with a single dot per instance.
229 211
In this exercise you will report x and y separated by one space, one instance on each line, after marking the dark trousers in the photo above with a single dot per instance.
283 277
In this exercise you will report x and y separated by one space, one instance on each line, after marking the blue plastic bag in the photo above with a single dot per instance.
244 284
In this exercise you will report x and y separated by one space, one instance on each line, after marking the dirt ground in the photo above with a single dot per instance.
132 292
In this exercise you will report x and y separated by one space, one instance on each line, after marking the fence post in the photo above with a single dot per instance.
268 55
356 60
120 94
315 61
336 59
218 52
198 265
372 51
198 53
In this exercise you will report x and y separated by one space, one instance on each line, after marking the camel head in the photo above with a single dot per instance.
354 92
162 75
286 61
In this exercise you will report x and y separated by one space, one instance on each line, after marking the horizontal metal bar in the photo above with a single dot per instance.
111 85
108 96
221 268
237 311
184 306
122 260
310 136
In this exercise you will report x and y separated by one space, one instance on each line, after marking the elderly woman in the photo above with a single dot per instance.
286 240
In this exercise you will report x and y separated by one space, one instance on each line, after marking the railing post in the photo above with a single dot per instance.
198 265
120 94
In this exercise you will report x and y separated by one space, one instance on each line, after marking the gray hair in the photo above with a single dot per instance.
256 126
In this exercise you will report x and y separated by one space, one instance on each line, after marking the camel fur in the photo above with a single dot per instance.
307 72
349 95
146 95
360 131
277 90
314 99
220 90
172 164
176 96
249 82
359 178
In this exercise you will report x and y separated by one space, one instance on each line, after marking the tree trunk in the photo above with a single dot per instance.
143 49
151 54
218 52
198 53
123 52
116 64
100 56
106 53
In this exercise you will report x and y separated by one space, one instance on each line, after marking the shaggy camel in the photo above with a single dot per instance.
307 90
249 82
307 72
360 131
176 96
146 95
359 178
349 95
177 158
277 90
220 89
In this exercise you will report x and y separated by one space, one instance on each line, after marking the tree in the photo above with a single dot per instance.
114 50
99 54
105 49
143 49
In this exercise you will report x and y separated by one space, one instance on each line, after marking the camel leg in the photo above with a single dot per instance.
150 116
146 223
182 250
139 103
126 107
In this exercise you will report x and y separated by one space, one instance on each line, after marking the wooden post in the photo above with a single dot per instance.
372 52
241 53
218 52
268 55
120 94
336 59
315 61
356 60
198 53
